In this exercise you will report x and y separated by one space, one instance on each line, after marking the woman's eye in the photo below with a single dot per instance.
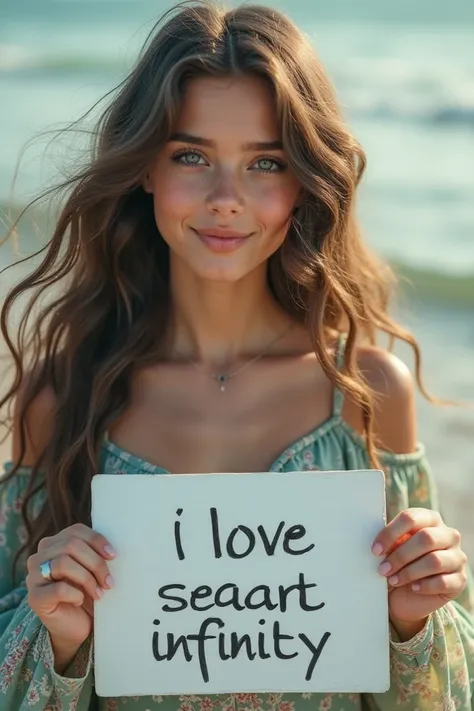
189 158
269 165
263 165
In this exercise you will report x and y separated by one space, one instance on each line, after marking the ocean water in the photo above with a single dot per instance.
404 73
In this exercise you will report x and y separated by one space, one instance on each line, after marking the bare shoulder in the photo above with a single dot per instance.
387 375
38 420
394 390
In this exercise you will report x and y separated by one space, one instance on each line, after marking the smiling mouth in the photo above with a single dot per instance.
223 241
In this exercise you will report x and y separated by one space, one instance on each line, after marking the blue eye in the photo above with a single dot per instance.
270 165
188 158
194 158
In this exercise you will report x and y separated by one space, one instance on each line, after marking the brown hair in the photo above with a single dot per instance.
107 255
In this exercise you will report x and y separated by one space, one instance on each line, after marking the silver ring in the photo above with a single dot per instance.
45 570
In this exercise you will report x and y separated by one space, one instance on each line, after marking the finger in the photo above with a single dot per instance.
77 549
434 563
63 567
406 522
446 585
417 545
96 540
45 599
88 606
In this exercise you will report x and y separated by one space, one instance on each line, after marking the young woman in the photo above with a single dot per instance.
212 307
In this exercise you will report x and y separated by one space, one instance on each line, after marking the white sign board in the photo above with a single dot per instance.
241 583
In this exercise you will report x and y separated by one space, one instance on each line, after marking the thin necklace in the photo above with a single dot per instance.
223 378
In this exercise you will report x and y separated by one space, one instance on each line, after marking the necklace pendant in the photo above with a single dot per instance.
222 379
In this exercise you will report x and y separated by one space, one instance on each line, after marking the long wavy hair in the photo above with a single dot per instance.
105 269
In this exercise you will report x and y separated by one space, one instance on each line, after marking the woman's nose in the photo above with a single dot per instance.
226 197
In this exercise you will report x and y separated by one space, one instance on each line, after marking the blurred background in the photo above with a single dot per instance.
404 73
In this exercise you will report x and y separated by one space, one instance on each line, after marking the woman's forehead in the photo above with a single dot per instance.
221 108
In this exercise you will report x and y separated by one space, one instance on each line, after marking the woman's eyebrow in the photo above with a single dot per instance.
252 146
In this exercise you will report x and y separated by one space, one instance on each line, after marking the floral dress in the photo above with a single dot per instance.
434 671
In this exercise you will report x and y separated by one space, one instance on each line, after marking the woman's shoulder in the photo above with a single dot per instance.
388 376
393 389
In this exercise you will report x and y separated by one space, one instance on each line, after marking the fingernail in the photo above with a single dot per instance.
377 549
109 581
110 551
416 587
99 592
393 580
385 568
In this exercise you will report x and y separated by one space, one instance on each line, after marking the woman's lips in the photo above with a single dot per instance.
221 242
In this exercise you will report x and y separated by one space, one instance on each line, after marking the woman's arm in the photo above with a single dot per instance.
432 639
27 676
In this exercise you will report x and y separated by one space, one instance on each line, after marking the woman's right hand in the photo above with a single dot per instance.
80 575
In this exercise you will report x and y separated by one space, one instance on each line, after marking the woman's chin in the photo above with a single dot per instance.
223 269
229 273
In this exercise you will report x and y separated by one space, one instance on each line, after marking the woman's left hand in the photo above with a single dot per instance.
424 563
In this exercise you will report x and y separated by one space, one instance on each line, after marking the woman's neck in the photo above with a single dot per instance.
217 322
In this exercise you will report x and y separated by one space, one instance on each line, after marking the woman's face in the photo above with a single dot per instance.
223 192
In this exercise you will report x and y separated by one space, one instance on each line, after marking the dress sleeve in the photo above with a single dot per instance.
433 671
27 676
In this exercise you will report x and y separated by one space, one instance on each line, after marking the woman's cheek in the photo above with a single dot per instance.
274 205
178 198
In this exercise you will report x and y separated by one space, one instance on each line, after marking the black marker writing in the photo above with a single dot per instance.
177 536
270 546
213 639
172 646
277 637
231 552
242 540
231 644
201 638
294 533
316 651
229 595
261 643
215 534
